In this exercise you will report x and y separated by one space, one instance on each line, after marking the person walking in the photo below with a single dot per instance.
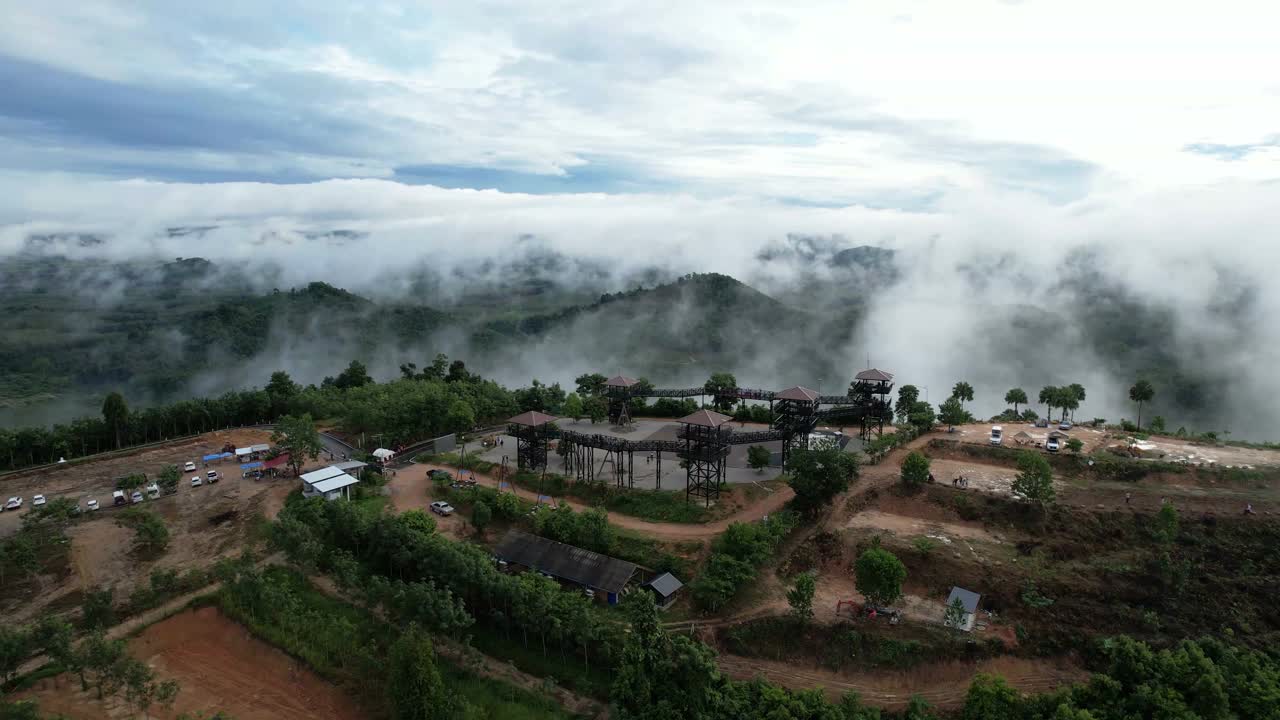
1128 498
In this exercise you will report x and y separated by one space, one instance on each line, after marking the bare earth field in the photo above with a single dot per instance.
205 523
220 666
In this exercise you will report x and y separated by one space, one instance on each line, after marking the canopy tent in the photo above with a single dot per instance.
217 456
383 454
250 466
241 452
259 448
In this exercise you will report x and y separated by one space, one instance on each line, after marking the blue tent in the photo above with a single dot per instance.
250 466
217 456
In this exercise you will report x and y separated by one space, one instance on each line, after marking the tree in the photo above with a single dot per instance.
1016 397
1078 394
15 647
721 386
457 373
461 418
573 406
356 375
480 516
597 409
652 663
1166 525
991 698
590 384
954 615
819 474
1049 398
952 413
282 389
149 533
1065 398
297 435
879 575
20 551
915 470
1141 392
168 479
758 457
1157 424
962 391
1074 445
922 416
414 688
907 397
507 506
116 414
800 596
97 609
1035 478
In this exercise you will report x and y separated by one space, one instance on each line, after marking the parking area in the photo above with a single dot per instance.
96 480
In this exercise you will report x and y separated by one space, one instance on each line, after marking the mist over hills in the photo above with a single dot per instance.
814 309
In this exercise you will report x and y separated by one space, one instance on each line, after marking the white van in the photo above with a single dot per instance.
997 434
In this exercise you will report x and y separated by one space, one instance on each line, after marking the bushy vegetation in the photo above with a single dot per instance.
736 557
389 668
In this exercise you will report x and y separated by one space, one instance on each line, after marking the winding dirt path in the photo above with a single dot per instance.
941 684
676 532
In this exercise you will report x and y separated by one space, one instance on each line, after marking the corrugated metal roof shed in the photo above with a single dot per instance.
337 482
620 381
967 598
590 569
316 476
665 584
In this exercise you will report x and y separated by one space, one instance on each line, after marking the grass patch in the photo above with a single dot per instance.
649 553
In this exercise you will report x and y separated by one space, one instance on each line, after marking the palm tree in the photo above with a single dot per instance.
1016 397
1141 392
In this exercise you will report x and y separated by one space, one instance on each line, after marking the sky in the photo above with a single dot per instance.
989 142
879 104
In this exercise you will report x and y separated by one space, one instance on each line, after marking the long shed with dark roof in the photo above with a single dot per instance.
566 562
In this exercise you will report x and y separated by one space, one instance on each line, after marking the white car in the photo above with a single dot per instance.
91 504
211 477
13 504
441 507
38 500
189 467
136 497
196 481
1053 445
153 490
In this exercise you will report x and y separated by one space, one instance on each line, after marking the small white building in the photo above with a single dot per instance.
331 483
383 455
969 601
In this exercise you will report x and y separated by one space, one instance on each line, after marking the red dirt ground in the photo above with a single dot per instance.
220 666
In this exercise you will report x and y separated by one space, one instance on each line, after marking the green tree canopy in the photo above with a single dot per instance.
907 397
297 435
719 386
115 413
819 474
480 516
878 574
800 596
414 688
1049 398
461 418
591 384
915 470
356 375
1035 477
149 532
922 416
962 391
1016 397
597 409
573 406
1141 392
952 412
758 457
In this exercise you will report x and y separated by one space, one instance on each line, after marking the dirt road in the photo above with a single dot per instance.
416 476
941 684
